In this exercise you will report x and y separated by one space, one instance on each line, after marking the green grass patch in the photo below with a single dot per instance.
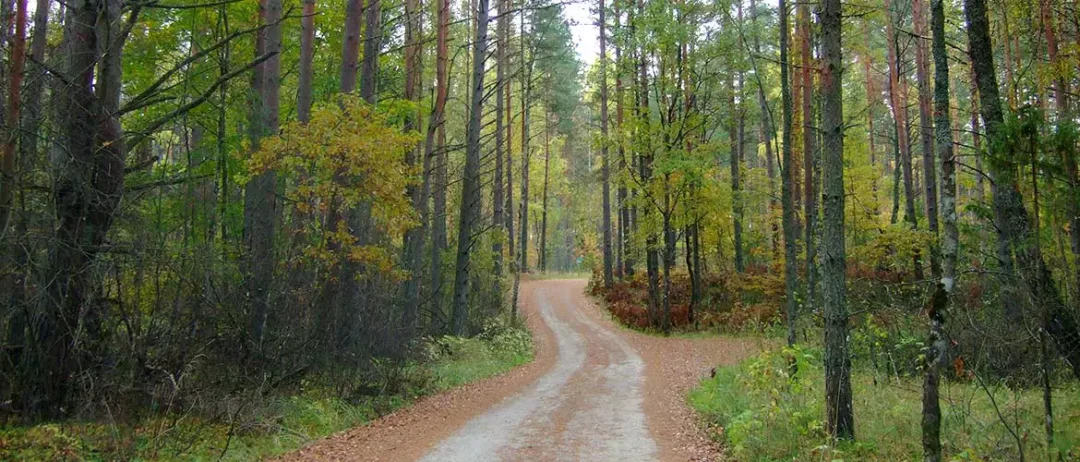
760 414
280 425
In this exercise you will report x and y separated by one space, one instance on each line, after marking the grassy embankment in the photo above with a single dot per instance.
282 424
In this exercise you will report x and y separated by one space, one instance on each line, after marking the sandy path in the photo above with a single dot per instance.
596 392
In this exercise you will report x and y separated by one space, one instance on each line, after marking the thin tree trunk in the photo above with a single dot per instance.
435 149
922 76
899 100
544 195
605 172
414 237
839 418
736 136
307 56
260 205
470 187
809 136
369 67
14 100
939 302
498 202
787 194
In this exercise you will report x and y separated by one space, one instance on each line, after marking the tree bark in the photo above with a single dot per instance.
605 171
14 108
350 46
787 198
809 135
470 186
926 129
260 205
840 421
435 149
414 237
369 67
544 195
939 302
898 101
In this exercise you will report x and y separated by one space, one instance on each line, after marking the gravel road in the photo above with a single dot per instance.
596 392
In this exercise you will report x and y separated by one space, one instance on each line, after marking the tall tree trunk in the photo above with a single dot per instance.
937 342
809 133
14 106
1014 222
544 195
626 268
414 237
736 136
350 47
898 101
369 67
498 202
926 129
652 258
765 133
605 172
839 418
787 198
435 149
307 56
470 186
260 205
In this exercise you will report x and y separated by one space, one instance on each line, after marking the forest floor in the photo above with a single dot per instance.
594 392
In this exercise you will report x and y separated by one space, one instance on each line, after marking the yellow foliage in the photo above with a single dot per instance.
348 154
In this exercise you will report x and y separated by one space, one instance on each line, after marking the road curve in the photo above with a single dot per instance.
596 392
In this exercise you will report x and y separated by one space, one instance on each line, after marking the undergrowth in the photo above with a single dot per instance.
281 423
761 414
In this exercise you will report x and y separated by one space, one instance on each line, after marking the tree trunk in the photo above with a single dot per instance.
369 67
626 268
260 205
1014 223
840 420
939 302
14 100
899 101
922 76
350 47
605 167
787 178
414 237
470 186
498 202
435 149
809 135
544 195
307 56
736 136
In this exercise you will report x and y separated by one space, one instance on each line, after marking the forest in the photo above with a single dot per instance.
229 228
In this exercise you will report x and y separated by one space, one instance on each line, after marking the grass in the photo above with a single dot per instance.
760 414
284 424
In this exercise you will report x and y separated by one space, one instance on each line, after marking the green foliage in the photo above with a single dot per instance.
761 413
282 424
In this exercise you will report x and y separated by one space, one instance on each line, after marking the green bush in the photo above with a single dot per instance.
761 414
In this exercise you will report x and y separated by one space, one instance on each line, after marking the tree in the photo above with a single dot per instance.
1011 217
787 197
604 169
470 191
926 130
938 344
840 420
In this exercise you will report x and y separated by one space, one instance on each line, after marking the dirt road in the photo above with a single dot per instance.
596 392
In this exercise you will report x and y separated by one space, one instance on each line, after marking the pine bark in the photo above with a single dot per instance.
926 130
839 417
809 133
470 186
414 237
787 198
605 170
435 149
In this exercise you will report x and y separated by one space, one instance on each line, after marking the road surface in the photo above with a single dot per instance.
596 392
